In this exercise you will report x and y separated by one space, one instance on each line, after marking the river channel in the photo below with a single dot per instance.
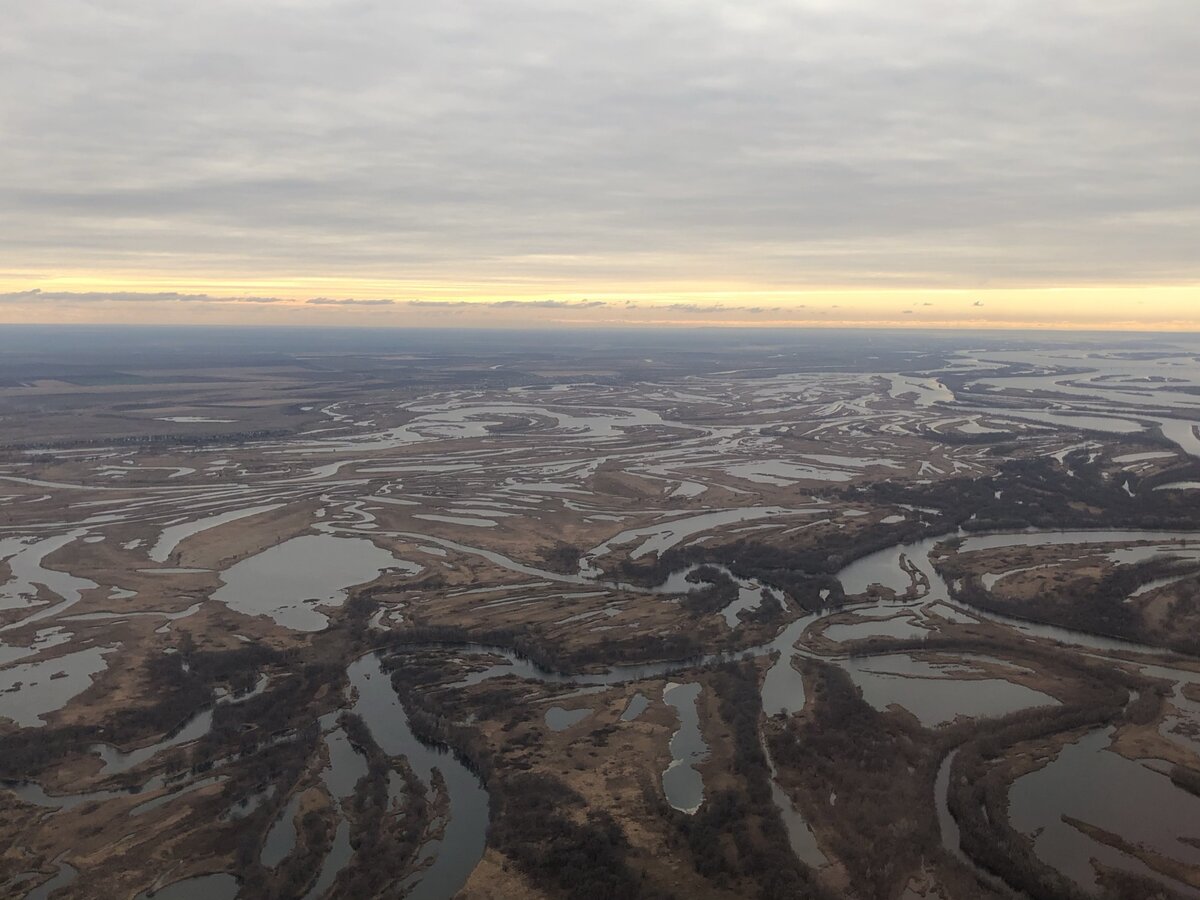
931 693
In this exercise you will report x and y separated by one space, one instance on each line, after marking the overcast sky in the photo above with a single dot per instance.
661 151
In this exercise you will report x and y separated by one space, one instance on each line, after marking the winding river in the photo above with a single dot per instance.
885 679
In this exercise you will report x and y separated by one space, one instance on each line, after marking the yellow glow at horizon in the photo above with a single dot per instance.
1127 307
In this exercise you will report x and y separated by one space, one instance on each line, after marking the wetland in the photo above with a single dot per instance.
660 619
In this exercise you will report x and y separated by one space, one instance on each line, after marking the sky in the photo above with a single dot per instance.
931 163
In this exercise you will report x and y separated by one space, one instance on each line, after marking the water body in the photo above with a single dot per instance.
749 594
1183 434
463 843
519 667
248 804
1105 424
682 782
1097 786
783 474
800 835
29 691
883 567
637 705
991 579
947 824
456 857
34 794
783 687
1142 457
281 838
925 392
193 419
346 765
221 886
463 846
116 761
1055 538
458 520
339 854
749 590
287 581
171 537
658 538
454 420
172 796
1156 583
62 878
932 693
897 627
44 639
27 575
560 719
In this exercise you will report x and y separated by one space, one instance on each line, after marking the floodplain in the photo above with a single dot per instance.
870 615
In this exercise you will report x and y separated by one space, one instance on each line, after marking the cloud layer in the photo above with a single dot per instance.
783 143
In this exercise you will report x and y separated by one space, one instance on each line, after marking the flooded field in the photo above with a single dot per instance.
457 617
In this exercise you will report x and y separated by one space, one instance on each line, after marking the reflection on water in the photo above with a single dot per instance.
682 782
1097 786
288 580
933 693
466 828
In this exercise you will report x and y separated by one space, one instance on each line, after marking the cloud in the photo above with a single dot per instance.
706 308
442 303
329 301
549 304
36 295
511 304
802 143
